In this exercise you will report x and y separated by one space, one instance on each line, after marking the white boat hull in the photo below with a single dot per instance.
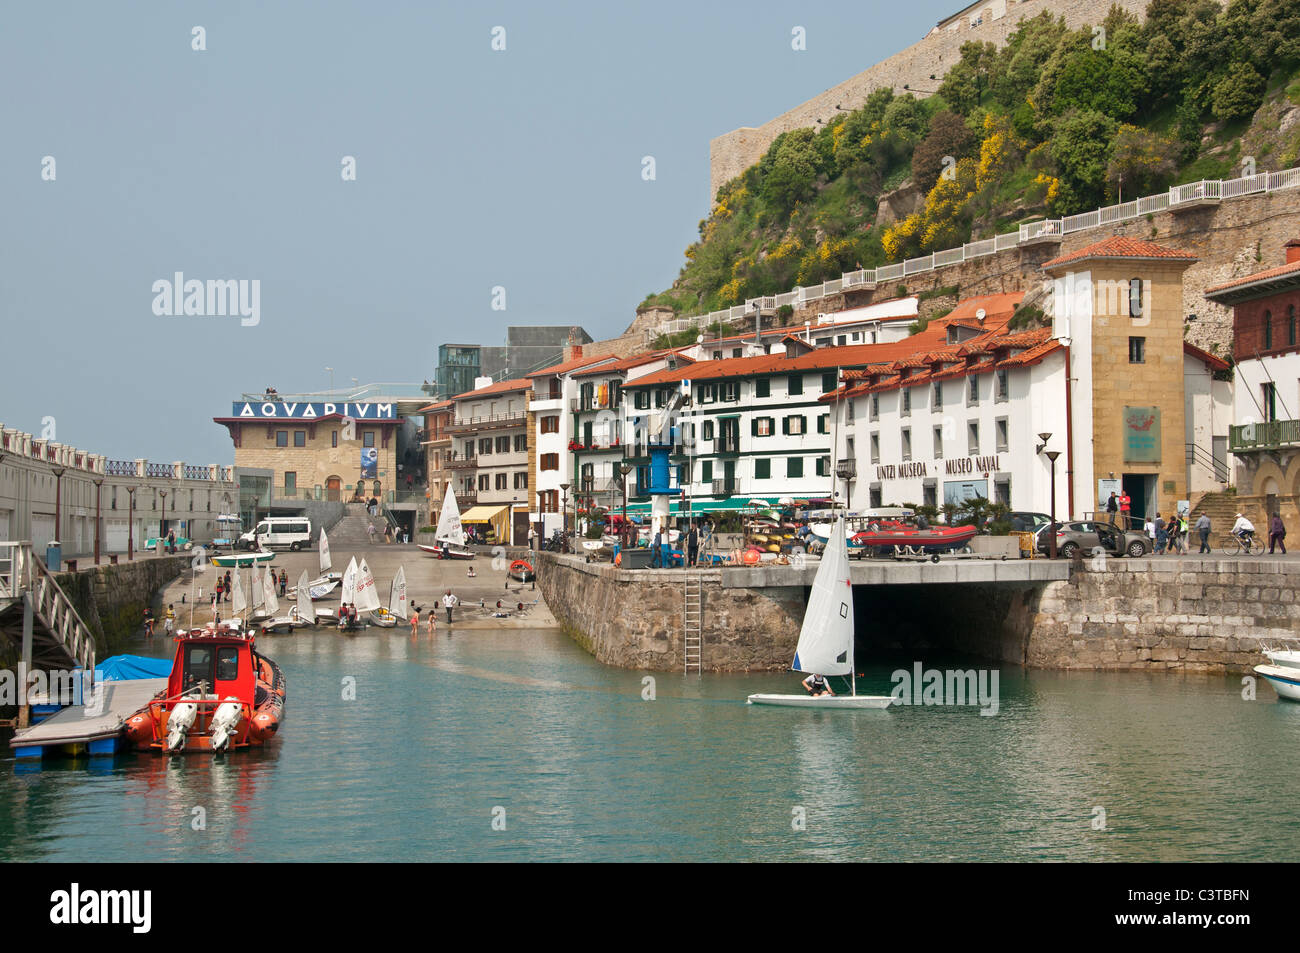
1285 680
823 701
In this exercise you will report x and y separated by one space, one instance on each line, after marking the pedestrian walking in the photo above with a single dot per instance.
1112 508
449 602
171 541
1276 533
371 531
1162 536
1203 527
228 595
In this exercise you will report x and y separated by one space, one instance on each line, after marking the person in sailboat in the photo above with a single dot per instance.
817 685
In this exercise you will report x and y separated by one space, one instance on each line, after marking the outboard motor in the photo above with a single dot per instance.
179 723
224 723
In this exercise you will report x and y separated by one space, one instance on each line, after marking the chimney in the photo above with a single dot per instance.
574 348
1292 251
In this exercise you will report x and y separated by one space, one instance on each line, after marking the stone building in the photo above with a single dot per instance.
489 457
1265 438
437 453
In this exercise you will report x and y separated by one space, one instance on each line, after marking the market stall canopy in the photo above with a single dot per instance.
495 515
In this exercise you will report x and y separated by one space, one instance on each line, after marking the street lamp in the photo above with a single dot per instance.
99 482
130 524
1051 542
331 370
58 502
564 510
162 522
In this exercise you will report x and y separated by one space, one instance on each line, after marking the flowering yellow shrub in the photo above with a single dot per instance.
1053 186
994 150
786 249
731 290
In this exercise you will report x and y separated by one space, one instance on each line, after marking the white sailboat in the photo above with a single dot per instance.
367 593
449 537
388 616
324 552
348 591
302 612
826 639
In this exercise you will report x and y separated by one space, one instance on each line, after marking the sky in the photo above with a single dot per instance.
475 169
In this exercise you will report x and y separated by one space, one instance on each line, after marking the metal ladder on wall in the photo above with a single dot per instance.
692 622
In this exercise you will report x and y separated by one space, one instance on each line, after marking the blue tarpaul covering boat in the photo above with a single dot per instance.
121 668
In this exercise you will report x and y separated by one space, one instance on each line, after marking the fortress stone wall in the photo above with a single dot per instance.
986 21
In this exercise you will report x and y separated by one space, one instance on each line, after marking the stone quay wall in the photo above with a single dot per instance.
111 599
1156 614
633 618
1185 615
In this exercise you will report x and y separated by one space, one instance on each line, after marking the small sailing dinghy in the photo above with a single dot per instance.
449 537
278 623
826 639
388 616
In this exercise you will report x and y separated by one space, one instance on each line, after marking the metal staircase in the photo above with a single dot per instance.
692 622
37 615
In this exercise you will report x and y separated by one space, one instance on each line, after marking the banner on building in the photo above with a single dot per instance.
959 491
1142 434
369 462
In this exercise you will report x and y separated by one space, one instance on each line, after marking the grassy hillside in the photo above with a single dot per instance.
1055 122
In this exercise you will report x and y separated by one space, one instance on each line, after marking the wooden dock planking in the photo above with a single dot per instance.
73 725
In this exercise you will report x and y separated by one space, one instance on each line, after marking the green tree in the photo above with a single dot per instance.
1142 162
1238 94
788 169
1081 145
949 136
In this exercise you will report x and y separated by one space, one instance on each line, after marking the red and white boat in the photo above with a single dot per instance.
221 694
898 534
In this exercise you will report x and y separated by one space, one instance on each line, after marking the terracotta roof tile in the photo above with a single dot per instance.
1281 271
1120 246
501 387
572 365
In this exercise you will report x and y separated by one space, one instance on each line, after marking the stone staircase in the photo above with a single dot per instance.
1222 508
350 531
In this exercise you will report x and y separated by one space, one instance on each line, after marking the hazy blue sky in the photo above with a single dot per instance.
475 169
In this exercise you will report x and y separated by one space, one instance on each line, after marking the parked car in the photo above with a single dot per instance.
1085 536
1026 522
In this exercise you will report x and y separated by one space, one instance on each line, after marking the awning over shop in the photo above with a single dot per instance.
498 517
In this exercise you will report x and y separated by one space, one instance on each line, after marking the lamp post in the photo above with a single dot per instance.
130 524
162 522
1051 543
331 370
564 511
58 502
99 482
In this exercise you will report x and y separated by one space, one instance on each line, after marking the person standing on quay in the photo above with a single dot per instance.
1112 508
1162 535
449 602
284 582
1276 533
692 545
228 596
1203 527
532 537
656 551
1125 504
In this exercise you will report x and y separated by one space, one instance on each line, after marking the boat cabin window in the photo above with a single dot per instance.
198 666
227 663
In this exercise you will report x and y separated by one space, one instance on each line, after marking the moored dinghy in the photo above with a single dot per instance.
826 638
388 616
449 537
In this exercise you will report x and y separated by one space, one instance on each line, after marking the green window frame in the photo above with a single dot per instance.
763 387
794 466
706 430
754 426
828 382
823 423
794 384
823 466
762 469
706 471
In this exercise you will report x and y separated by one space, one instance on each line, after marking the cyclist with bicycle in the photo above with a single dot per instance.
1244 530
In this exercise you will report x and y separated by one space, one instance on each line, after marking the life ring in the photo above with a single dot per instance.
618 559
521 565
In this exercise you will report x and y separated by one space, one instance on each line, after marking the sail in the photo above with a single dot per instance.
257 594
348 592
398 604
268 592
237 601
826 639
304 596
324 552
449 528
367 599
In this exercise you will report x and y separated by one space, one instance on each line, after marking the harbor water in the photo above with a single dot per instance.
515 745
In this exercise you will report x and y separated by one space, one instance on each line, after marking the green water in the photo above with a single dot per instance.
443 732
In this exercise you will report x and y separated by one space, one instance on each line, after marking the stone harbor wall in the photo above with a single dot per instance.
633 618
1186 615
111 599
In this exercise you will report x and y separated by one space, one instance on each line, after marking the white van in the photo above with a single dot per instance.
292 532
